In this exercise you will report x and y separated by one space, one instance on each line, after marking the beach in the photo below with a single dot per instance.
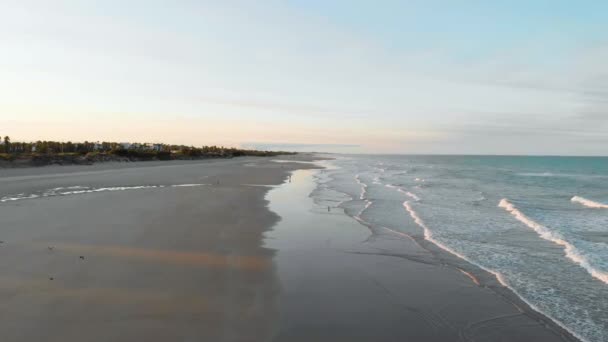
228 250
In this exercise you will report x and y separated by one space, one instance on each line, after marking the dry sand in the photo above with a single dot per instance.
159 264
198 262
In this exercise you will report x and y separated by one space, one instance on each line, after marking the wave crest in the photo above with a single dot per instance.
363 187
428 235
571 251
589 203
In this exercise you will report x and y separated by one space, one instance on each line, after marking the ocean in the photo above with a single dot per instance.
539 224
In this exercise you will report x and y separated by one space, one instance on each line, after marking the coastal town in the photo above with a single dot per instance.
17 153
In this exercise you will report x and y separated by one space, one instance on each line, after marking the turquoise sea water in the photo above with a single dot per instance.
539 223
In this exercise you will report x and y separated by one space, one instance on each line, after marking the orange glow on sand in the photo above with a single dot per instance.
195 259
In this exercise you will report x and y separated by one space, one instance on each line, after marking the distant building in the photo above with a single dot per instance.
125 145
153 147
97 146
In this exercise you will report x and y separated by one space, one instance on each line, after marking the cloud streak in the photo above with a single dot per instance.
295 73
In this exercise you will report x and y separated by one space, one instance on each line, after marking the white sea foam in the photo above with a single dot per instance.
293 161
112 188
17 197
407 193
413 196
363 187
538 174
79 190
410 195
570 250
188 185
428 235
358 216
589 203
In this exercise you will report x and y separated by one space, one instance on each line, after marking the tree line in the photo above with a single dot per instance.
139 150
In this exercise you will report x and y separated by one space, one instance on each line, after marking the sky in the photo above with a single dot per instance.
425 77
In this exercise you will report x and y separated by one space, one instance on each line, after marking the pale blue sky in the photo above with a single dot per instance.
515 77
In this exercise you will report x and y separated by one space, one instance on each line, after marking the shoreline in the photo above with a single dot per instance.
479 275
206 248
484 277
480 278
154 263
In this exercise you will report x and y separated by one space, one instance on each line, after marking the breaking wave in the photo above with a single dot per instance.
428 235
571 251
589 203
405 192
363 187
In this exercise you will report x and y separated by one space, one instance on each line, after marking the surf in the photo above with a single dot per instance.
570 250
429 236
589 203
363 187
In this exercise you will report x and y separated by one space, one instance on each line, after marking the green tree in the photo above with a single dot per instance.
7 144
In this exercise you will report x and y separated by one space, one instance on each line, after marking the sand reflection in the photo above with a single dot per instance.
196 259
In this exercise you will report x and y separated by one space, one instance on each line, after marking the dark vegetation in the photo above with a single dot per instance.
54 152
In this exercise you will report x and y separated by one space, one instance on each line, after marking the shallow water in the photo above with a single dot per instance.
539 223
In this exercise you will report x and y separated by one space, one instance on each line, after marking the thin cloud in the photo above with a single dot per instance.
296 146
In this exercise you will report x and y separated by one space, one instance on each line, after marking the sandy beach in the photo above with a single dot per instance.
226 250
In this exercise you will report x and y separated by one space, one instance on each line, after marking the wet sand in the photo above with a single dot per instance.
224 256
150 264
342 282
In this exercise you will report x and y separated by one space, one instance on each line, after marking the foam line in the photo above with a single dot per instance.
187 185
367 205
363 187
589 203
428 235
17 198
570 250
78 190
407 193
